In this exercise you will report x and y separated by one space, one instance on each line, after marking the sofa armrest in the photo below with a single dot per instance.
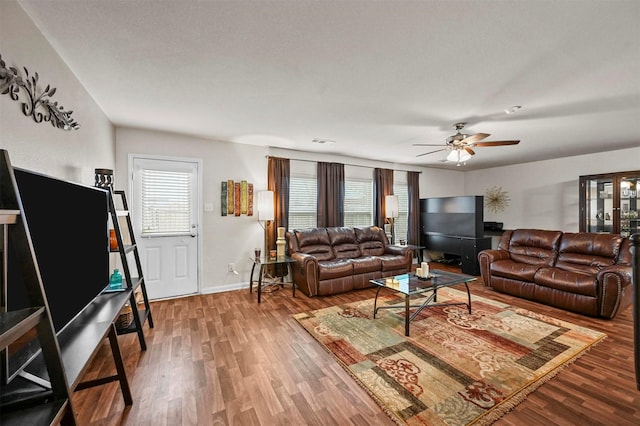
403 251
398 250
485 258
616 290
305 273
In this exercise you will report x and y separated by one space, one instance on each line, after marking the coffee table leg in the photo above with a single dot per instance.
375 302
468 296
406 315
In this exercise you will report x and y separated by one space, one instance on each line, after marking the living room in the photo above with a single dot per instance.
543 194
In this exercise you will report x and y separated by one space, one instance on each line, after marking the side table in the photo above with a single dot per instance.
263 261
415 249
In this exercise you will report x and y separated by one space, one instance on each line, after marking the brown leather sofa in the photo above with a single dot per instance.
339 259
587 273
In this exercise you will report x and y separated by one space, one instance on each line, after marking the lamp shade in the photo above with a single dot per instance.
265 205
458 155
391 206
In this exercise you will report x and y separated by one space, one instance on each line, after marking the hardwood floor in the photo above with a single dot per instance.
222 359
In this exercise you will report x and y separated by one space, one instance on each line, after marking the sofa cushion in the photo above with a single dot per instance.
366 264
567 281
588 252
315 242
534 246
344 242
507 268
334 269
372 240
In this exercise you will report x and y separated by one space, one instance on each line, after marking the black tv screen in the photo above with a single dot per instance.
68 223
455 216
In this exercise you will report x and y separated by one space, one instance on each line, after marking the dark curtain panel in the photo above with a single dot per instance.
278 172
382 185
330 194
413 189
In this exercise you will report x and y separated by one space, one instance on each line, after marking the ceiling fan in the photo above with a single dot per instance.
461 145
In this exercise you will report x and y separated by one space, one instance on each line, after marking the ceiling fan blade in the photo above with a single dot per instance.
469 150
475 138
496 143
431 152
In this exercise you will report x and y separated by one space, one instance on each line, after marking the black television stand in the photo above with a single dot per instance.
465 247
42 394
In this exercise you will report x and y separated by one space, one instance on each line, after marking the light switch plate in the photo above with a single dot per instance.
208 207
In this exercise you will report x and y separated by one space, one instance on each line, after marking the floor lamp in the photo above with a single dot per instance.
265 207
391 212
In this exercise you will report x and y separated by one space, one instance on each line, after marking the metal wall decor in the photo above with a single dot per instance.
495 199
236 198
38 104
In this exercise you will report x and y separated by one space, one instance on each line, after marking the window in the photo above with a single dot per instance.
303 202
358 202
402 222
166 202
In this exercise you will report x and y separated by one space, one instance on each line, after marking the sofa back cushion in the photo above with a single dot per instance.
344 242
314 241
372 240
588 252
534 246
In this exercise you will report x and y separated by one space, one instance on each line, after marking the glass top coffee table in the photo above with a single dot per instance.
411 285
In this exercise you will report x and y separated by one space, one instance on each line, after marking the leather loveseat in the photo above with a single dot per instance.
338 259
587 273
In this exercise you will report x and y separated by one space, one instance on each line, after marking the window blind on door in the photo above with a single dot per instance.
166 202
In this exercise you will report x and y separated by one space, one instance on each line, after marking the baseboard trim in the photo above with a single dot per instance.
226 287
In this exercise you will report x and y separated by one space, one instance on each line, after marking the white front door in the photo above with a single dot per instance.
166 223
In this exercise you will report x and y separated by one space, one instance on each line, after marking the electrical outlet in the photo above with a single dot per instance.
231 267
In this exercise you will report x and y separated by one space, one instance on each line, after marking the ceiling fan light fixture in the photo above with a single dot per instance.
458 156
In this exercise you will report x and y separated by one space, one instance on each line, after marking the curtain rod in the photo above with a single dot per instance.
346 164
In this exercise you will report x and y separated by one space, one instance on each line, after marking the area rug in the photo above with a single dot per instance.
455 368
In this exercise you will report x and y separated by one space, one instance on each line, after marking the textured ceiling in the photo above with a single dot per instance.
373 76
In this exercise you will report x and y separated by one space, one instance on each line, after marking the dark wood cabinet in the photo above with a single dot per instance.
465 247
609 203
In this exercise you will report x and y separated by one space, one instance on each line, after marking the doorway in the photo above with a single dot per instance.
166 222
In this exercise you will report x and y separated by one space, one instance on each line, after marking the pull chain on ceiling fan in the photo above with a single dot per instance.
461 145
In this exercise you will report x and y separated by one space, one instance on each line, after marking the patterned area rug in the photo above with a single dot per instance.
456 368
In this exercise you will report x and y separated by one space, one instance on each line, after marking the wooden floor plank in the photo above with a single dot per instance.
224 359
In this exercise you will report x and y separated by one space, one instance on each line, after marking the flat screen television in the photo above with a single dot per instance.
454 216
68 223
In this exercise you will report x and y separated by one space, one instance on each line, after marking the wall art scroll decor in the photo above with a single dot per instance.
36 103
236 198
495 199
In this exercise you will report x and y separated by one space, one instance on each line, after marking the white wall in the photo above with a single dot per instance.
544 194
230 239
70 155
